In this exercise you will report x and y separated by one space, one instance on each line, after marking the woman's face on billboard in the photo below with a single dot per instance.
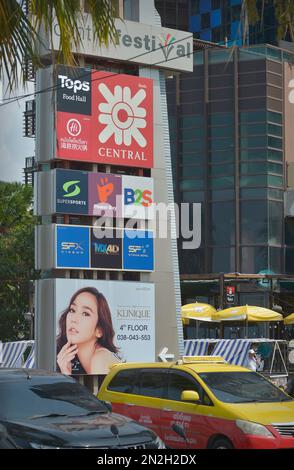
82 319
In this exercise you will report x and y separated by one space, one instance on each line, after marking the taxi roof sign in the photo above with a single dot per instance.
202 359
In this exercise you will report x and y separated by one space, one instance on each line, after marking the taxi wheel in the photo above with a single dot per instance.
221 443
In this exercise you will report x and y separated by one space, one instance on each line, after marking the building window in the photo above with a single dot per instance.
193 196
252 129
191 121
276 219
253 181
253 168
276 194
195 7
275 259
221 144
191 184
222 156
253 116
257 141
131 10
275 142
216 35
217 170
224 182
275 155
205 21
215 4
236 13
192 158
275 181
223 259
216 119
222 195
277 118
254 222
192 171
254 193
275 130
192 145
222 233
221 131
289 260
254 259
253 154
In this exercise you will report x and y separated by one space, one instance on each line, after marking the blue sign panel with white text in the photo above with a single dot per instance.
138 250
72 246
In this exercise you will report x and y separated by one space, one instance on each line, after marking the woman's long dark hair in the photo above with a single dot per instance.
104 321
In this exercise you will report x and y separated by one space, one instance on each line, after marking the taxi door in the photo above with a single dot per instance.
192 417
144 402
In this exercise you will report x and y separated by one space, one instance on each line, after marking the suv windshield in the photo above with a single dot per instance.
32 399
242 387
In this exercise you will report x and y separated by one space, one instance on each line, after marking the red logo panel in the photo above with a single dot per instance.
119 130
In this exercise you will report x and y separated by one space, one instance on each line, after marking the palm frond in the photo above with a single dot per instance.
19 34
17 38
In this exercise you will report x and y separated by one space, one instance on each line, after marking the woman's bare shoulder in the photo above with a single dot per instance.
102 360
103 353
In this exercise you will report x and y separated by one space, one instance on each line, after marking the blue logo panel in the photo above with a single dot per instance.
138 250
73 247
71 192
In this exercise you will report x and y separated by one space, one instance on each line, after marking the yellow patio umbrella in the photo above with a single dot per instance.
247 312
289 320
197 311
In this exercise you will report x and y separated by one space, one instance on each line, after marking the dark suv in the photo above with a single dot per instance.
43 410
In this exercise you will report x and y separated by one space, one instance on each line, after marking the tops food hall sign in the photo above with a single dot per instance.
104 117
140 43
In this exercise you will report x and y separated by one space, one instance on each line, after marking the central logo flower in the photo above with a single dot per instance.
122 115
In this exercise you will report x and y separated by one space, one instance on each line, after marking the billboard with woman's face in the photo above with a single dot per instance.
100 323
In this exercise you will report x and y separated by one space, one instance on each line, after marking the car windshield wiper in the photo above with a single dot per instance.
285 399
93 413
248 401
50 415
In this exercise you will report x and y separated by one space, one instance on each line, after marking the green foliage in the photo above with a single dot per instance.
16 259
19 34
251 10
284 12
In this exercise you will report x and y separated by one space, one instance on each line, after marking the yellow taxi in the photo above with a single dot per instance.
202 402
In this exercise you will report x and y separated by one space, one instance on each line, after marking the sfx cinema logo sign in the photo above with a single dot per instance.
109 120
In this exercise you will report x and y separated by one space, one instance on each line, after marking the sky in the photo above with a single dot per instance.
14 148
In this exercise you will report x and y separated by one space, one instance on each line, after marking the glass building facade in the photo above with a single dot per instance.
227 131
219 21
227 134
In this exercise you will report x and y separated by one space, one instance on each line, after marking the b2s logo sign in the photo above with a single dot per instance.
138 197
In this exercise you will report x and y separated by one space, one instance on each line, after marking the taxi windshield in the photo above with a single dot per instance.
242 387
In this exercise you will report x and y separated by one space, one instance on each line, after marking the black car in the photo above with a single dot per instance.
44 410
5 441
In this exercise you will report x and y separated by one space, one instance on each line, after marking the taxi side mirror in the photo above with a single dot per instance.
190 395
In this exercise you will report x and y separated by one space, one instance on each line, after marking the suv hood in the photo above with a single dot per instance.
79 431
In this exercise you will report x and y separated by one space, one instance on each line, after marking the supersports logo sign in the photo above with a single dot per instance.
104 117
